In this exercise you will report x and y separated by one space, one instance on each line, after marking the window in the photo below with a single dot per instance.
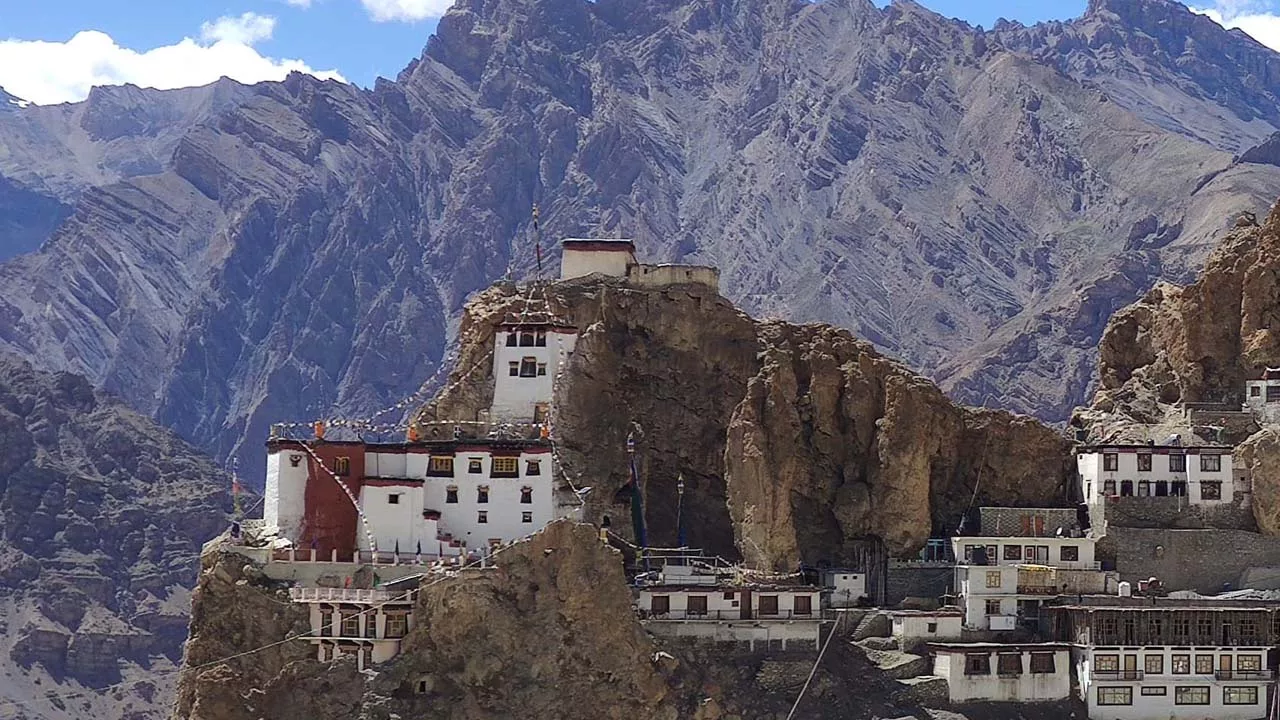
729 595
1210 463
475 465
513 368
802 605
350 624
393 499
1249 663
1042 662
505 467
1012 552
397 625
697 605
991 555
1110 461
1155 690
1181 664
1178 489
526 339
326 623
1177 463
526 517
451 494
1069 553
526 495
540 339
768 604
528 367
542 369
1144 462
370 625
660 604
511 338
977 664
1153 664
1240 695
993 578
931 628
1115 696
1008 664
1210 491
1204 664
1109 488
533 467
1106 663
1273 393
342 466
993 607
482 517
1255 391
1126 488
1144 488
1191 695
482 494
440 465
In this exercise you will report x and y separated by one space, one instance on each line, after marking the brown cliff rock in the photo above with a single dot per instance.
1260 457
787 436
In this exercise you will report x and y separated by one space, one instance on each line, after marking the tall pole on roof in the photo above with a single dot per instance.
537 241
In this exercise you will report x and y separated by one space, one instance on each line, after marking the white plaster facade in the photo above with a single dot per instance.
506 514
927 625
1262 396
990 672
1071 553
284 496
1020 574
1201 474
369 624
526 360
666 275
1180 683
582 256
845 587
713 603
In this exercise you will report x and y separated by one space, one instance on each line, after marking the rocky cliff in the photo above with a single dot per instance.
975 203
102 514
548 633
794 442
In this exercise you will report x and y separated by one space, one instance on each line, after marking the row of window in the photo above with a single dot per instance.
697 604
1177 463
499 467
1273 392
1151 630
482 495
1007 663
396 624
1180 663
527 338
1209 490
526 367
1038 554
1182 695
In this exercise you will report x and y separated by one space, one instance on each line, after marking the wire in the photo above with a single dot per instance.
814 669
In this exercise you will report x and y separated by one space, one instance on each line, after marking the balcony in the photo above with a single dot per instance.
347 595
1261 675
1106 675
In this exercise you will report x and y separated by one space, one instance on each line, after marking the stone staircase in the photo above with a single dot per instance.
912 672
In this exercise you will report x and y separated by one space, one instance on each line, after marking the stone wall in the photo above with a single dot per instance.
1178 513
923 581
1009 521
1200 560
664 275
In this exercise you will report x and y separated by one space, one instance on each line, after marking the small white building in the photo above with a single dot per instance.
1262 395
915 626
586 256
752 614
1200 474
991 672
526 360
369 624
844 588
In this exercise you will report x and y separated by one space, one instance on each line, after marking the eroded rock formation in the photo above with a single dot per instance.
794 441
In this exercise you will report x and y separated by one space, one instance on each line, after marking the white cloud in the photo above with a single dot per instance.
304 4
405 10
53 72
1249 16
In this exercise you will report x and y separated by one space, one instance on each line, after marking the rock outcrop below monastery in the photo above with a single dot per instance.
794 441
102 514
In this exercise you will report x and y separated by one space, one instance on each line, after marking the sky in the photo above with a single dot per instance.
54 51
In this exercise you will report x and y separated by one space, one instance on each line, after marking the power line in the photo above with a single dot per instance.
814 669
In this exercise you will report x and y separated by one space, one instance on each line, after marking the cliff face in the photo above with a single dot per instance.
794 441
101 513
974 203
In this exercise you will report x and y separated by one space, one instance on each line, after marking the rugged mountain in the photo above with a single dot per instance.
102 514
796 442
975 203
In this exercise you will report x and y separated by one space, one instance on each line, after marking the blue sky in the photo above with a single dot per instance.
54 50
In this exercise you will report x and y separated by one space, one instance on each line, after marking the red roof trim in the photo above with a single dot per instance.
600 245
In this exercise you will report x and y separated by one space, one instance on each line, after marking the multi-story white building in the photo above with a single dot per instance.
988 672
1024 557
369 624
1201 474
1152 659
526 361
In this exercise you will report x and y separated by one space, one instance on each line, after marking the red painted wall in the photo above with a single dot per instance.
330 520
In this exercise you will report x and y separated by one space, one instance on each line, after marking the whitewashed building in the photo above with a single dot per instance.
580 257
369 624
526 361
1023 558
1262 395
1147 658
916 626
990 672
1201 474
844 588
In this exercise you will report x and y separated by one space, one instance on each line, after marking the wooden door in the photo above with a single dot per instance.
661 604
768 605
745 606
1130 667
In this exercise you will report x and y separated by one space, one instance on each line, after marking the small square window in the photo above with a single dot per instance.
1069 553
977 664
1181 664
482 517
526 496
1042 662
482 494
342 466
393 499
1210 463
1110 461
1012 552
1255 391
1144 462
533 467
526 517
932 628
993 607
511 339
1109 488
528 367
1153 664
451 494
475 465
1204 664
1177 463
513 368
993 578
1210 491
542 369
504 467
